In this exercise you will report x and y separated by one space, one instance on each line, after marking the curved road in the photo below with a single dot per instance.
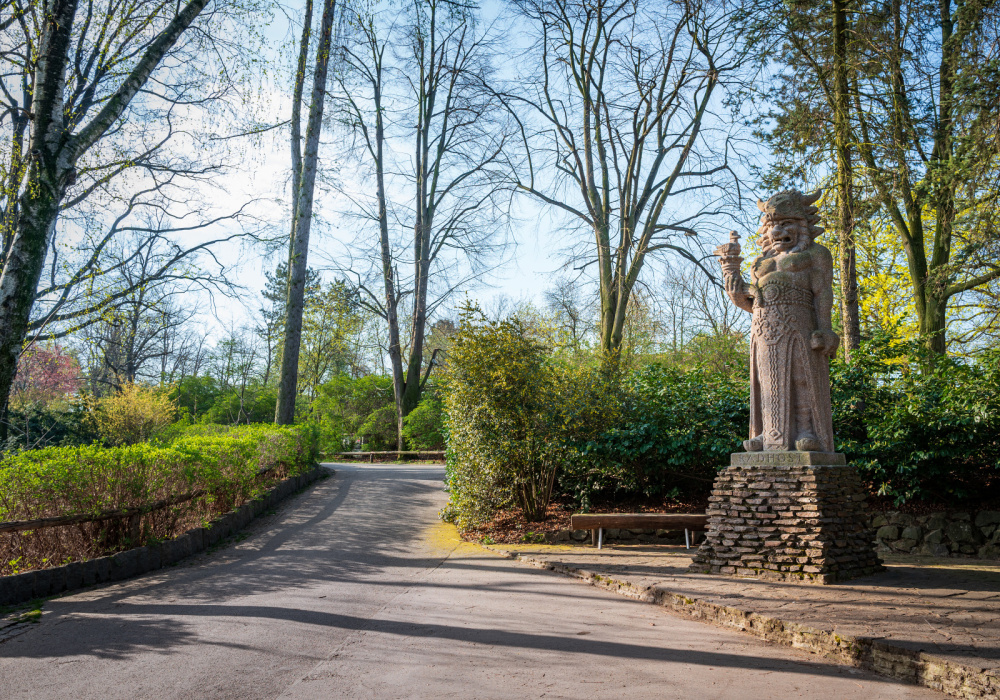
354 589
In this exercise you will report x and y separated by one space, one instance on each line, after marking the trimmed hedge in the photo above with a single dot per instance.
59 481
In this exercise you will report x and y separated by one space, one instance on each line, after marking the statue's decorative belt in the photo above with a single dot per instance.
775 293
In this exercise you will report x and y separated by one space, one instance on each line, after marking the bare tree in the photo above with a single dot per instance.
564 299
616 103
149 334
135 342
436 139
706 308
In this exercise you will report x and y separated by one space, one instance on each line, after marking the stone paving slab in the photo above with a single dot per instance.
926 609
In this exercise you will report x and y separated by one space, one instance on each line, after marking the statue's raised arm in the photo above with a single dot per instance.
790 294
736 287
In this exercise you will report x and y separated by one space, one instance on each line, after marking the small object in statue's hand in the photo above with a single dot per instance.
731 249
729 255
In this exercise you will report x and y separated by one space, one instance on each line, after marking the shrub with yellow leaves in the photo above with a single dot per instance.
133 415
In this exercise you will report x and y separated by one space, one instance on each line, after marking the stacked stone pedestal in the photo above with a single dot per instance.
788 516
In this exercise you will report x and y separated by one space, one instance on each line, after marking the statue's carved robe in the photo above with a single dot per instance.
788 379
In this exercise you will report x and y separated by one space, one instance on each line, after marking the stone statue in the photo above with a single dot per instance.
790 295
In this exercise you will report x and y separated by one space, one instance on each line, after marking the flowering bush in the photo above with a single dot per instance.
44 374
133 415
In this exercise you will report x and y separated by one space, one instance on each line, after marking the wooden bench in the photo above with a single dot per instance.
596 522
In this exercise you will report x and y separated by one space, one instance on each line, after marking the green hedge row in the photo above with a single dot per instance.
90 479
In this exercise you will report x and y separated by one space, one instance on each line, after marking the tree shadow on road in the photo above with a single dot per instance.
364 527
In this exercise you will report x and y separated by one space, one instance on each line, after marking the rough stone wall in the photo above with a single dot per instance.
779 522
943 534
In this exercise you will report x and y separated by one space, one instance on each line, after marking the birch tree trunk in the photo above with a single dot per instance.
38 205
301 224
54 150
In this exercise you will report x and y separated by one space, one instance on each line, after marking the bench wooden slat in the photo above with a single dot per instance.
640 521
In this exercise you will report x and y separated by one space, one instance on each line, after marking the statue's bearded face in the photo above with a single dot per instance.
785 234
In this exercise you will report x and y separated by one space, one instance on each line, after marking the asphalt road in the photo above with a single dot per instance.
354 589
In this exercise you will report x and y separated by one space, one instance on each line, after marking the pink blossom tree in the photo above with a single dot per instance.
45 374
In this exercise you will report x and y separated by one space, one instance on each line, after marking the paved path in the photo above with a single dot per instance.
949 608
355 590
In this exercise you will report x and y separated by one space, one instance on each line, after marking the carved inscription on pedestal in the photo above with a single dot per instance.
787 459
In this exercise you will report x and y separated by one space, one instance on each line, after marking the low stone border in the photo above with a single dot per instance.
939 534
43 583
868 653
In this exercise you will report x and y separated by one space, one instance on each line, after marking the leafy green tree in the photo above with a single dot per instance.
424 426
344 408
331 326
194 396
333 322
254 404
378 431
819 42
923 80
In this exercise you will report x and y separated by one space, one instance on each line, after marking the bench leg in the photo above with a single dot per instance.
600 536
687 539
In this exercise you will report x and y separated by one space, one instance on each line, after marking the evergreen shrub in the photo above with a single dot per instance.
423 428
58 481
675 429
35 426
515 415
918 427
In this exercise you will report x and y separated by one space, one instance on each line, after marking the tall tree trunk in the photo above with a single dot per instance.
295 140
934 322
298 265
414 384
943 187
391 300
38 204
849 312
